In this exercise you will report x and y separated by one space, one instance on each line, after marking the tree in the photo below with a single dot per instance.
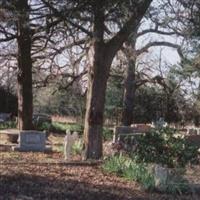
129 82
99 72
160 24
133 82
17 13
192 16
162 97
25 27
99 13
24 76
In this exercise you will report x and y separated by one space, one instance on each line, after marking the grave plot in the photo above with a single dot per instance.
34 141
34 147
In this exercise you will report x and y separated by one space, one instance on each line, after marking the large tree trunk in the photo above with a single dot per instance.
129 85
24 77
129 94
98 75
95 105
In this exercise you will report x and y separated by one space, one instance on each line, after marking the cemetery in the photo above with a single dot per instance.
99 100
64 151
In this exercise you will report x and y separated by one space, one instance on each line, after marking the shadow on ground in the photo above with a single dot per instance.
62 181
28 187
24 186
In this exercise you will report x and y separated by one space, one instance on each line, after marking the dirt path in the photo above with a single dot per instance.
32 180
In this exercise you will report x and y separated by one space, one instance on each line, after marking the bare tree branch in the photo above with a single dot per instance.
160 43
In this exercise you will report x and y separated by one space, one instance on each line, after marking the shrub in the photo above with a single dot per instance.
39 119
139 172
77 147
129 169
107 134
143 173
61 127
115 164
45 126
164 147
8 124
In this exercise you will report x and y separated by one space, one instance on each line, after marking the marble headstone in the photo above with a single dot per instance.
31 141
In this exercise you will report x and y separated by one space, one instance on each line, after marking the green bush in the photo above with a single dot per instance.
115 164
60 127
107 134
164 147
45 126
129 169
139 172
77 147
8 125
143 173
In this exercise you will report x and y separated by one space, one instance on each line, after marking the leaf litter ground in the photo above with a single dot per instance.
28 176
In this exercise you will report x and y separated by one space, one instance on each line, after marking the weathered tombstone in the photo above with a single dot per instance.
69 140
123 131
32 141
125 137
165 177
160 177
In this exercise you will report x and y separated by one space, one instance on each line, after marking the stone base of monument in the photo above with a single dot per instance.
47 149
34 141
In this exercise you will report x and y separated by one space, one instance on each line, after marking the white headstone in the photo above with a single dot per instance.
69 140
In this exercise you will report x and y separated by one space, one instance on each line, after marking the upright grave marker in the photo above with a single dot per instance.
32 141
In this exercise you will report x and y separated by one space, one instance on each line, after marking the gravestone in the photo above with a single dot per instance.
31 141
166 178
125 137
69 140
161 177
121 132
143 128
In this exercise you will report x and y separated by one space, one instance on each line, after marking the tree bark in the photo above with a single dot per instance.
129 92
95 105
24 76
